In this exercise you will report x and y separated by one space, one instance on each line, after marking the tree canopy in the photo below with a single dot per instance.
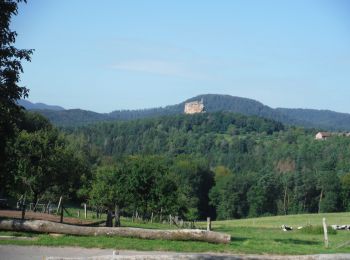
10 91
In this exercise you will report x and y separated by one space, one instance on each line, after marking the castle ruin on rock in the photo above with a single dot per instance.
194 107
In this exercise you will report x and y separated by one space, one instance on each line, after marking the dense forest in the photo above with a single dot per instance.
260 166
222 165
309 118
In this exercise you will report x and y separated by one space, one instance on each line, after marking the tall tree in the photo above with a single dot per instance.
141 183
43 166
262 196
109 189
345 183
10 91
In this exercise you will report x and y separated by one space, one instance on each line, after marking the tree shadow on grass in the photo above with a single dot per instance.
223 229
297 241
238 239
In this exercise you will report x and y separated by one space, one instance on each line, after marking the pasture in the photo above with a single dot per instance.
255 236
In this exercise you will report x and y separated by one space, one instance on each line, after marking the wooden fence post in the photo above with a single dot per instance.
19 202
47 207
23 207
36 204
85 212
23 211
117 215
61 220
78 213
325 232
59 205
208 224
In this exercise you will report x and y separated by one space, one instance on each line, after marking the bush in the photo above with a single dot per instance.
316 230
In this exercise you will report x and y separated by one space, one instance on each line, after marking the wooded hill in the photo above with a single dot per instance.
219 164
259 166
310 118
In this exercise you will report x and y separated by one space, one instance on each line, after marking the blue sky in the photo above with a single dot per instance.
128 54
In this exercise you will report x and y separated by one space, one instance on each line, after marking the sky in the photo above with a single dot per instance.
130 54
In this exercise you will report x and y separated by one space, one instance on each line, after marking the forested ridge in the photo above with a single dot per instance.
259 166
221 164
310 118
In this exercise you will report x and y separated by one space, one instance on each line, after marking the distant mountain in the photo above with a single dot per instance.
38 106
310 118
73 117
323 119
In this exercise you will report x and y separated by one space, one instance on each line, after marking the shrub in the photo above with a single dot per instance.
315 230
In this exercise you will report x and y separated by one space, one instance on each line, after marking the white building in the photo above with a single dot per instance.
322 135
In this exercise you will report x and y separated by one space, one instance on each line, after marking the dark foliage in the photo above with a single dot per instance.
261 167
310 118
10 91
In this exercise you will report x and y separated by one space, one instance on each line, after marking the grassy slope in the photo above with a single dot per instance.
259 235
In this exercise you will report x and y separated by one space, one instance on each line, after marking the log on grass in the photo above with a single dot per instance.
53 227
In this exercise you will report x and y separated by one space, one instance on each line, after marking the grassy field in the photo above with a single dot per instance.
258 235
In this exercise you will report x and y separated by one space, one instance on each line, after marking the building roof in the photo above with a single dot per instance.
324 134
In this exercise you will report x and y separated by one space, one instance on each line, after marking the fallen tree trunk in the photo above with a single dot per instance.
53 227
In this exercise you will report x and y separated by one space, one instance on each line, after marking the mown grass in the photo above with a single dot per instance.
255 236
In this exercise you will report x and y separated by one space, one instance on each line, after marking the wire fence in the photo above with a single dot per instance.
84 214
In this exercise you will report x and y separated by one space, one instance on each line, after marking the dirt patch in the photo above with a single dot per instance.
43 216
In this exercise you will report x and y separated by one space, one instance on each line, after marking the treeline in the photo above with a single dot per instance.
153 187
44 163
309 118
41 163
260 166
220 165
179 134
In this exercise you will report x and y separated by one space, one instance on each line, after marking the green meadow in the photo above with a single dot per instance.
253 236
